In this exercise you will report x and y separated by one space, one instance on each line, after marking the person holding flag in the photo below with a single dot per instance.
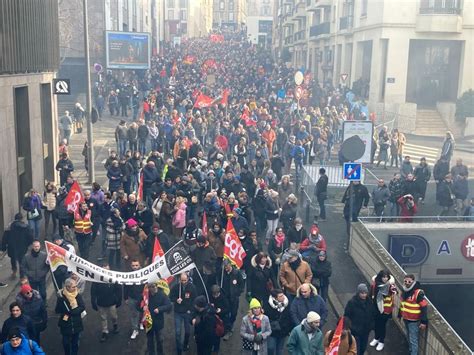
340 341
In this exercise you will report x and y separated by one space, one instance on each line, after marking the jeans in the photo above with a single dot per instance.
133 146
298 167
182 319
381 326
322 208
275 345
142 146
50 215
104 312
39 286
362 341
67 135
35 226
153 334
133 306
122 146
71 344
272 225
413 331
155 143
114 259
84 242
394 209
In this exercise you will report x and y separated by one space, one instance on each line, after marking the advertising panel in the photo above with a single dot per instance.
128 50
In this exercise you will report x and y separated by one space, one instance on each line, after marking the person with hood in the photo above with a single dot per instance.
382 290
261 279
70 307
277 309
276 247
17 343
296 234
18 320
380 196
33 306
204 322
289 211
422 175
205 259
182 295
232 286
211 183
34 266
16 240
133 243
106 298
307 299
360 311
158 305
413 310
294 272
322 270
255 330
312 245
306 337
347 345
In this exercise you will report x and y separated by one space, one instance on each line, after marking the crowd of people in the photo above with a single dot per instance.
176 161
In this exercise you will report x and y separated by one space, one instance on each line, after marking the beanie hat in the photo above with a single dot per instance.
312 317
200 302
362 288
56 237
14 333
292 252
131 223
314 229
254 303
24 289
18 216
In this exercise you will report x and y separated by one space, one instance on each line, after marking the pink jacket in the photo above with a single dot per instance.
179 218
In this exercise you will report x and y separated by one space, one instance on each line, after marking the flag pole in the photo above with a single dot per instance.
204 285
222 273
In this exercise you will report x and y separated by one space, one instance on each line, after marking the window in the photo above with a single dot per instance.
221 5
231 5
183 15
170 14
266 11
183 3
231 17
170 3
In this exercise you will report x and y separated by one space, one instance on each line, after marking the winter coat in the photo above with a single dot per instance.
26 347
70 320
280 318
396 189
106 295
291 280
179 218
233 284
216 241
459 170
247 333
17 239
163 303
204 327
406 211
49 200
361 314
131 247
299 343
114 228
150 175
187 293
322 271
346 346
444 194
24 323
447 149
410 187
34 266
301 306
166 217
114 174
461 188
205 259
276 252
284 191
440 170
145 219
422 173
361 197
271 209
294 236
380 195
34 308
406 169
31 203
288 213
258 279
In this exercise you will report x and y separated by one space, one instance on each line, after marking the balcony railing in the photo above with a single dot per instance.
320 29
300 35
288 40
441 10
345 23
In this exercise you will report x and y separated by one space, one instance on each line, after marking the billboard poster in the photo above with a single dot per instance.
128 50
361 132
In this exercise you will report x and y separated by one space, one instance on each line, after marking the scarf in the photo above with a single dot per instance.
307 328
71 297
407 289
383 290
279 306
295 264
279 239
256 324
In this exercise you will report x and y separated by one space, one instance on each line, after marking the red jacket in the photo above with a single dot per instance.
405 211
307 243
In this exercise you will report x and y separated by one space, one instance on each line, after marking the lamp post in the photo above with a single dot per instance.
88 95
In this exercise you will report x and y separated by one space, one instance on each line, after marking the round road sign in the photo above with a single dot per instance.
467 247
298 92
299 77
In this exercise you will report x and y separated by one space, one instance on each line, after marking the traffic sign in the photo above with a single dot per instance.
352 171
344 77
298 92
61 87
299 77
307 79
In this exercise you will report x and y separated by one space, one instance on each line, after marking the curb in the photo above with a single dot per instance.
335 302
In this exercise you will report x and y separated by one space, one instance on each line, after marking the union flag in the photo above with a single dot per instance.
203 101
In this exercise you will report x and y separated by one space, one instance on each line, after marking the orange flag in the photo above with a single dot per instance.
333 348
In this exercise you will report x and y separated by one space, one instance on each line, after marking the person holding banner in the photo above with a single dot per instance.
158 304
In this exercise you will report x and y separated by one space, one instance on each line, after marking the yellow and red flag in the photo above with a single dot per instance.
333 347
225 97
233 249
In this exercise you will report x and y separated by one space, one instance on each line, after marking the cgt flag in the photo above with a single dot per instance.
333 348
233 250
74 198
225 97
203 101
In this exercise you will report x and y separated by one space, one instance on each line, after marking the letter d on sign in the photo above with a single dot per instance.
408 250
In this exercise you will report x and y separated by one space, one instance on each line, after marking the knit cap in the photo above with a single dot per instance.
362 288
254 303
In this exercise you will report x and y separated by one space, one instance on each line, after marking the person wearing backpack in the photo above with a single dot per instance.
18 344
204 322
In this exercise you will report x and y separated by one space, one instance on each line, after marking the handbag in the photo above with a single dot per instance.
247 344
33 214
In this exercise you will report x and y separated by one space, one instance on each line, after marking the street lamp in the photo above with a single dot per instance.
88 95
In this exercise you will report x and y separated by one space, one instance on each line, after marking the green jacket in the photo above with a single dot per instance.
299 343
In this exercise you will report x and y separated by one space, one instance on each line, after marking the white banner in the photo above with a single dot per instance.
175 261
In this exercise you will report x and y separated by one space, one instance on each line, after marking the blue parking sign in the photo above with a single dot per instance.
352 171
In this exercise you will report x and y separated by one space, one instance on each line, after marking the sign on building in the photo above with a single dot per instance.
127 50
357 136
61 87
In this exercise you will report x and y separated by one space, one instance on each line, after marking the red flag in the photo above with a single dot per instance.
216 38
208 63
247 119
195 93
189 59
333 348
203 101
225 97
140 188
233 250
174 68
74 198
204 224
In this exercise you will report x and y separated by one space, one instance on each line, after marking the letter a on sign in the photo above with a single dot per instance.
444 248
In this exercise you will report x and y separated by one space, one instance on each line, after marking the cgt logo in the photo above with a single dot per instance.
408 250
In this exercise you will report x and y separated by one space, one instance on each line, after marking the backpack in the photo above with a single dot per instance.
219 329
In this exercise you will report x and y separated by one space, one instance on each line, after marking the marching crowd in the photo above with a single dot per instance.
180 157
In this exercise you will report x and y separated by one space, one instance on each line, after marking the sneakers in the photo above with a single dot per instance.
379 347
374 342
103 338
115 329
134 334
2 284
227 335
141 327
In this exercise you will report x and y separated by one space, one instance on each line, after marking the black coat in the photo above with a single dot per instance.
204 328
322 270
444 194
187 293
258 278
361 314
105 295
23 322
34 266
162 302
285 324
70 320
233 285
294 236
17 239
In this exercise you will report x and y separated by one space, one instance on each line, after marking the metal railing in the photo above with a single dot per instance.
345 23
415 219
441 10
320 29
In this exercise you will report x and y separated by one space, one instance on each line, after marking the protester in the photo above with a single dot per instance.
158 305
306 337
261 279
18 320
294 272
277 309
307 299
132 295
33 305
18 343
255 330
204 322
347 345
232 285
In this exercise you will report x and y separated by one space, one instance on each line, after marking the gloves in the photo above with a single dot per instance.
258 338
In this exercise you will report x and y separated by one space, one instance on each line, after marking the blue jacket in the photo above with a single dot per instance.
27 347
301 306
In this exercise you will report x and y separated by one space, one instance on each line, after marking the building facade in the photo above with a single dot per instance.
29 60
229 14
401 56
260 22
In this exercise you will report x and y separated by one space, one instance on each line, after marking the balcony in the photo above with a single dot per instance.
345 23
288 40
300 35
441 10
445 19
318 30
